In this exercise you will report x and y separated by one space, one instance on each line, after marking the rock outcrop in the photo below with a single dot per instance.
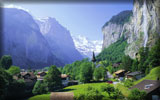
142 28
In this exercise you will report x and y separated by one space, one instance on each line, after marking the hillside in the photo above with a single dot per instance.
154 73
114 52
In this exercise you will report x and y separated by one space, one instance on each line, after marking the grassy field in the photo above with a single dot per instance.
154 73
81 89
40 97
125 91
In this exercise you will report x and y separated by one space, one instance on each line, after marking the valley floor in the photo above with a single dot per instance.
81 89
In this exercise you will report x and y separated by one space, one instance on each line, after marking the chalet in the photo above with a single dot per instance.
151 87
40 75
28 77
120 74
65 79
134 75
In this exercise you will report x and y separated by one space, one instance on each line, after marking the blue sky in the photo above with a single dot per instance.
79 18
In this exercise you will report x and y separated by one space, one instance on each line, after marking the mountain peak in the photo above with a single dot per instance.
86 46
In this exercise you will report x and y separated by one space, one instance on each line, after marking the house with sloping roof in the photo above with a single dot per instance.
28 77
135 75
40 75
120 74
65 79
151 87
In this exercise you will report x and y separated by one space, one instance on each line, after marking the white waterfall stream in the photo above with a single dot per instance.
145 23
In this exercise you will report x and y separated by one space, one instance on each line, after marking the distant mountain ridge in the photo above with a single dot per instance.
29 47
86 46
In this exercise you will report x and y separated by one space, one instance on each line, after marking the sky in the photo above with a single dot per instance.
85 19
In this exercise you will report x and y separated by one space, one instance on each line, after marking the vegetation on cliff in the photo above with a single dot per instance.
114 52
120 18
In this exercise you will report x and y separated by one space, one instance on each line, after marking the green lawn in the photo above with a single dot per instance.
125 91
76 89
40 97
154 73
79 89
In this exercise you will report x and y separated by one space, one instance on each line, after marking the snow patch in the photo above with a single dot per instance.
86 46
14 6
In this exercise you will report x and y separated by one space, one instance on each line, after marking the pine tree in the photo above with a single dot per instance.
154 55
93 57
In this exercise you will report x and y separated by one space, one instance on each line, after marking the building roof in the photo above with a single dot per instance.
23 73
41 73
64 76
134 73
119 71
147 85
31 75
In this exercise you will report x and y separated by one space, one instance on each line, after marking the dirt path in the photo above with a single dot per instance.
62 96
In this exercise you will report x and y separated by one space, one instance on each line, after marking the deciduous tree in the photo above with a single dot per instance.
53 78
6 61
86 72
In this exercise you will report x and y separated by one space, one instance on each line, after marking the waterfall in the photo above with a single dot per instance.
145 23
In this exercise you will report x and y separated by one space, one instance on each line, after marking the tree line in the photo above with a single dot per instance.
11 88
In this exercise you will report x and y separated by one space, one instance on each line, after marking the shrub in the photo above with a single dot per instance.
128 83
39 88
108 88
91 94
137 95
13 70
6 61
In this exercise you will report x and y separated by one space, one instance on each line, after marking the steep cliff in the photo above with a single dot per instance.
142 28
59 39
24 41
113 29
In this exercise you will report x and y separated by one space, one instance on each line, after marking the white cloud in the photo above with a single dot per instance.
14 6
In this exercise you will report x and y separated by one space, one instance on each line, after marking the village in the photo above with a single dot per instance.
80 51
151 87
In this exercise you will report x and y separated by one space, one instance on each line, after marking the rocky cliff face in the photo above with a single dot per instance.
142 28
59 39
114 29
24 41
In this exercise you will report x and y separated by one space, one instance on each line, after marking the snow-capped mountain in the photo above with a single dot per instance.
86 46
